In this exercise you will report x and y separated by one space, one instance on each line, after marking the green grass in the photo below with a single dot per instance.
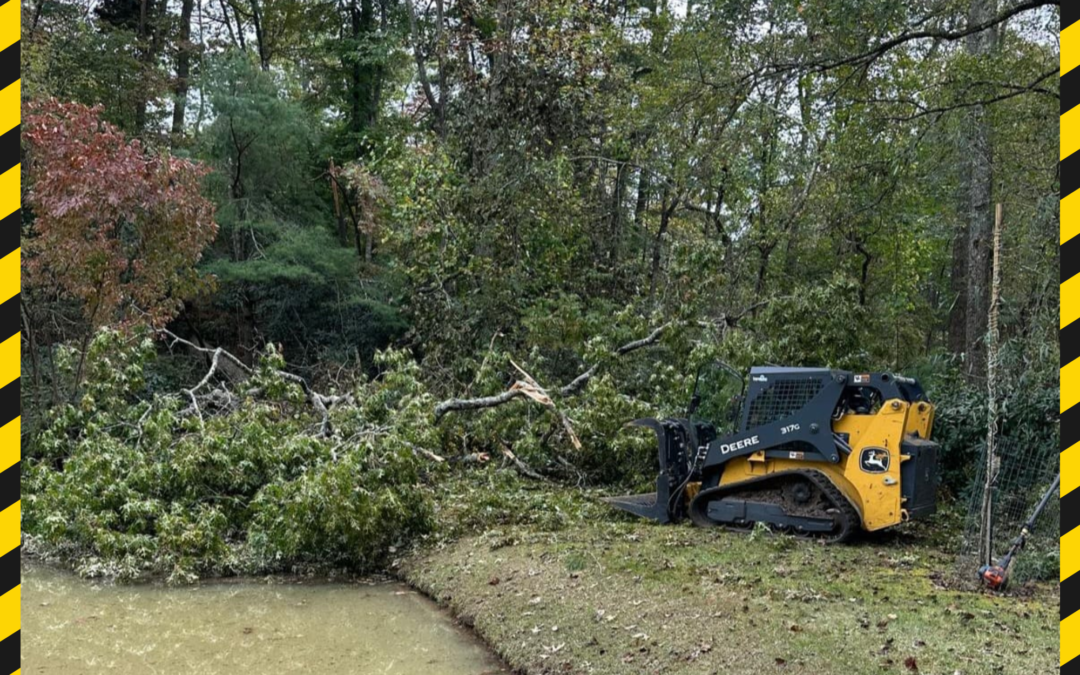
611 596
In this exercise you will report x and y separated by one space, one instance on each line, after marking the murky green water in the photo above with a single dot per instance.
73 626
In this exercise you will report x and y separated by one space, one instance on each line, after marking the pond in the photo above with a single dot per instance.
72 626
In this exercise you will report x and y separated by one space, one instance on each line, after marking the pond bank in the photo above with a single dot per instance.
627 598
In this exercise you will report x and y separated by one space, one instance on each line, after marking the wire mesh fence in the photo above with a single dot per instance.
1023 474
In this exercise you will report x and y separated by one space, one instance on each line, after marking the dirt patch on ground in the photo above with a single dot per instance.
625 598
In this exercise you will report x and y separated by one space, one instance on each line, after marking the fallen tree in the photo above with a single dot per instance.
235 471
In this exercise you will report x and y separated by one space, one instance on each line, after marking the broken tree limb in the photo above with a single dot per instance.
579 382
321 402
458 404
531 389
651 339
521 466
175 339
423 452
194 407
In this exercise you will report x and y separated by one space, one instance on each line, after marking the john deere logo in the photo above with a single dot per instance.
874 460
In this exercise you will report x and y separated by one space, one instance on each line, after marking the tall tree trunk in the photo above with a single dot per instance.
237 36
260 35
667 207
617 196
958 285
793 236
35 20
339 208
766 250
366 86
642 202
436 103
864 276
978 212
30 334
640 206
183 69
146 58
440 45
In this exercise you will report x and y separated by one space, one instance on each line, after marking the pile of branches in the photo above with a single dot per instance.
203 395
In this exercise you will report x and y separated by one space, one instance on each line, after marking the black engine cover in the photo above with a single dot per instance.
918 476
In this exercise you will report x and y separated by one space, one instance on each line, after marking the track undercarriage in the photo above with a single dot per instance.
803 503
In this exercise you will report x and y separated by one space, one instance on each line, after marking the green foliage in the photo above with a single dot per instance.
1026 420
72 59
127 485
262 139
352 512
281 259
817 325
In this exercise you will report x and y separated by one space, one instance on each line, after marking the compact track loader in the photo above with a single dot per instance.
811 451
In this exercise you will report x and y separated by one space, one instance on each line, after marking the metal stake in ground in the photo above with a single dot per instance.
986 540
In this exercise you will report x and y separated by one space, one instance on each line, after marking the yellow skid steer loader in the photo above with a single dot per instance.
815 452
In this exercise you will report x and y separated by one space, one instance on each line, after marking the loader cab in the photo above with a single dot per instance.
716 402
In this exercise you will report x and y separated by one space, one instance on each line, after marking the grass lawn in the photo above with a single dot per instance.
611 596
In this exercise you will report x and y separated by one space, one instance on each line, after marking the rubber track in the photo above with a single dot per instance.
848 513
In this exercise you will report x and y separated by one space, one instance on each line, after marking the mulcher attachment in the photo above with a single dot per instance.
666 505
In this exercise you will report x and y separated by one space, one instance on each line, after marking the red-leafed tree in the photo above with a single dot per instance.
114 226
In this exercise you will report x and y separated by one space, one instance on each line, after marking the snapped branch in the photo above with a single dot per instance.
530 388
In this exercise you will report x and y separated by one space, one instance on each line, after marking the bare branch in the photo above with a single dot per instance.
194 407
521 466
885 46
322 403
458 404
1014 92
530 388
581 380
438 459
651 339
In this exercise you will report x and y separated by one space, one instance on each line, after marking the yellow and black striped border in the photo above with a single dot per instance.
1070 337
10 618
10 227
